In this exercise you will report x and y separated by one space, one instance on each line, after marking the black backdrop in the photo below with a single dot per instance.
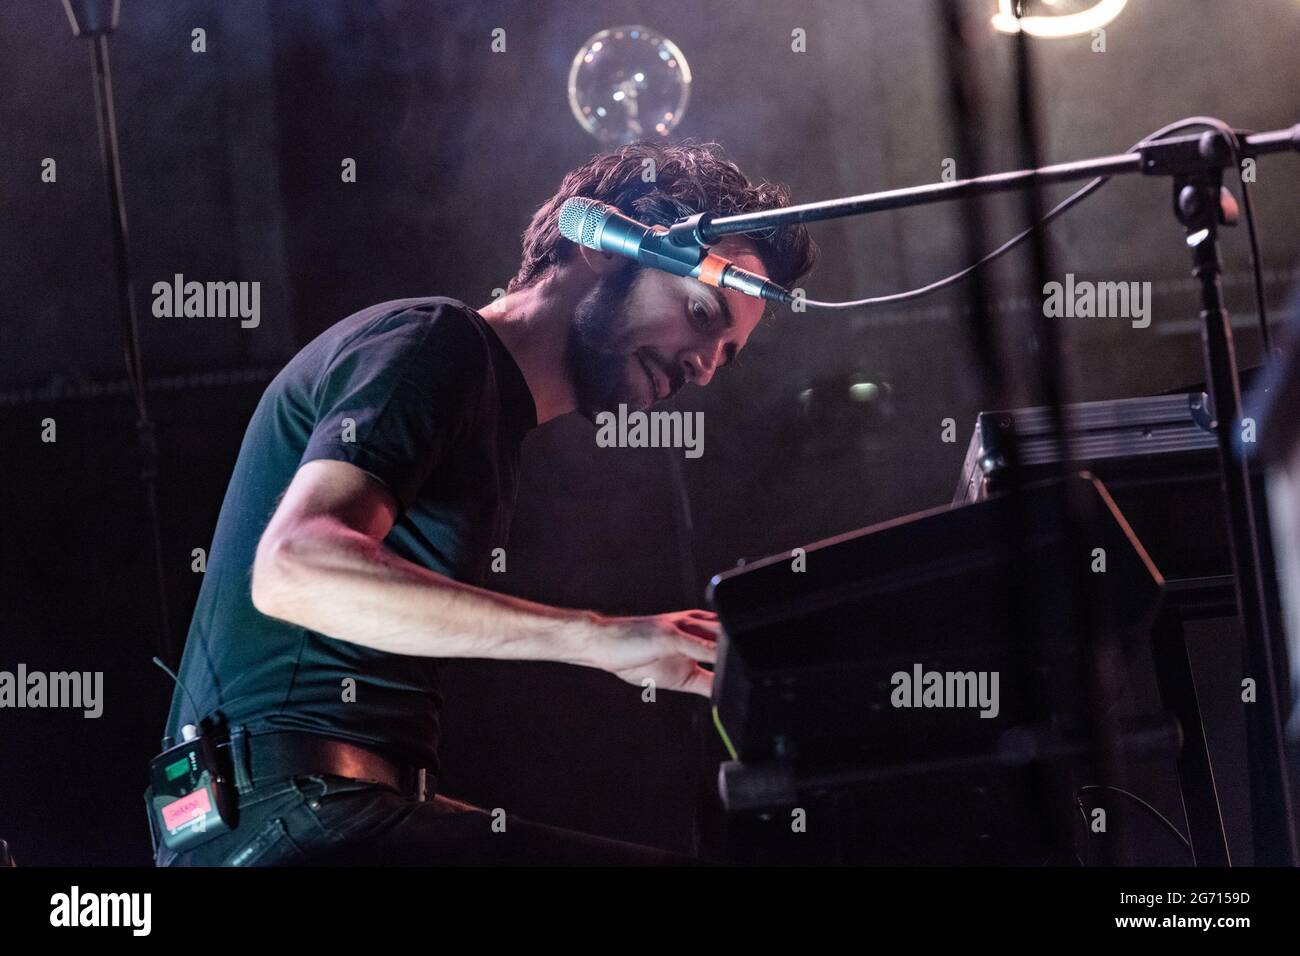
232 162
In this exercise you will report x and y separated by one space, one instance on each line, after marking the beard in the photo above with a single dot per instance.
595 355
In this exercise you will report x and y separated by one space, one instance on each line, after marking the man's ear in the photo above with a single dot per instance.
601 263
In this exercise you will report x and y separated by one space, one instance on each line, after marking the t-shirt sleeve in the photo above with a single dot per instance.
396 397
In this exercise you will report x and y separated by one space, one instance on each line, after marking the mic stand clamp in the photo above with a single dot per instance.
690 231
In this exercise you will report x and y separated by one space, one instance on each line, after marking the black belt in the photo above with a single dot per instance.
261 758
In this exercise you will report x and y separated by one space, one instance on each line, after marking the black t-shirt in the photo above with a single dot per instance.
421 394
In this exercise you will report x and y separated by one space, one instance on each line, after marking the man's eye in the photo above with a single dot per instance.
699 313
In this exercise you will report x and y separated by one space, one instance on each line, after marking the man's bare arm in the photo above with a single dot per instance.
322 564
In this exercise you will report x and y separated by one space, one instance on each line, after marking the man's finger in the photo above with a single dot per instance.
709 630
698 647
700 682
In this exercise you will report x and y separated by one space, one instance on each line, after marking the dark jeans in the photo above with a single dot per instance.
320 819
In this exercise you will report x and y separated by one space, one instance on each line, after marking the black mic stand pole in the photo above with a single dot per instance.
1198 197
95 20
1095 679
966 99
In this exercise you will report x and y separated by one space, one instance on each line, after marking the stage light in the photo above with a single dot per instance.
1075 17
629 83
864 391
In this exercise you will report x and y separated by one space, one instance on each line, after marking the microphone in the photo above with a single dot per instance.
602 227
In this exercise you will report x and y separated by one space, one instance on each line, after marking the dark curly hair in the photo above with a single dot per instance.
689 177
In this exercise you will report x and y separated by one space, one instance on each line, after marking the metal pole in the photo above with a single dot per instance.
97 31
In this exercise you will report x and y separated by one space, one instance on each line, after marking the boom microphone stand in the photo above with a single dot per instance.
1195 164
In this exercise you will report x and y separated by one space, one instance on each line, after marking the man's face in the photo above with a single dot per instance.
639 335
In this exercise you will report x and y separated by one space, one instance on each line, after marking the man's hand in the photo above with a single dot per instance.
667 648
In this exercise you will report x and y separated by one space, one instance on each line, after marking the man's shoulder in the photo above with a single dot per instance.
435 332
446 318
436 339
429 305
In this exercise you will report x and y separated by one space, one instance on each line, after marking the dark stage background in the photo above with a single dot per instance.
232 172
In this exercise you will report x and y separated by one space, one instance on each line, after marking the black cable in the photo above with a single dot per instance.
1164 820
194 706
1256 264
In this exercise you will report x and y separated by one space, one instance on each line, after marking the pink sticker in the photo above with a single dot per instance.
186 810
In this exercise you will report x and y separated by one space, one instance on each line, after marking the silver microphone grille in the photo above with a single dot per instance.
580 218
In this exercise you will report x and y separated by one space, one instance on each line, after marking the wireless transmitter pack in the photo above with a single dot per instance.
191 798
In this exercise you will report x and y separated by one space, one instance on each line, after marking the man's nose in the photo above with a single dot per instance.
700 365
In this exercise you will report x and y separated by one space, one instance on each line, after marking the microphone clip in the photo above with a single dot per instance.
689 231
